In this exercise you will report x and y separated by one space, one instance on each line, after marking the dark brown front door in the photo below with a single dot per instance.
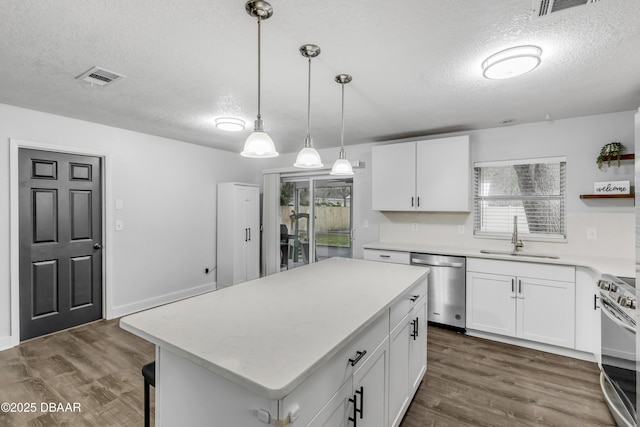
60 241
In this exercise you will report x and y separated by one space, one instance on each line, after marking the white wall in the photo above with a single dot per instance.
579 139
169 193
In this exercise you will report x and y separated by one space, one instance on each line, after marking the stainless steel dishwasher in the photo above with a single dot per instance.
447 288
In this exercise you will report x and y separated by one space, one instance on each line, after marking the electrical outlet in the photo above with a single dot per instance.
461 229
592 233
414 226
119 225
365 224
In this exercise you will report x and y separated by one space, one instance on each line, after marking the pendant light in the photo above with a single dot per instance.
308 157
259 144
342 166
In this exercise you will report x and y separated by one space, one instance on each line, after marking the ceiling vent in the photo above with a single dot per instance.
546 7
99 76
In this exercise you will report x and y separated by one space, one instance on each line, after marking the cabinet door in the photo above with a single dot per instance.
394 177
337 411
370 389
491 305
252 221
442 175
546 311
240 236
398 371
418 346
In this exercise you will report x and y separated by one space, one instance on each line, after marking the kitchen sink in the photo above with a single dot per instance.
523 254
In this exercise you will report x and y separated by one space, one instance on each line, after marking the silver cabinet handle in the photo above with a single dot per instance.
436 263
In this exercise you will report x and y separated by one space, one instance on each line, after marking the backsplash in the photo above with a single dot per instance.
615 233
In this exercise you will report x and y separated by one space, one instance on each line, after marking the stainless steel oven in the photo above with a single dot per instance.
618 346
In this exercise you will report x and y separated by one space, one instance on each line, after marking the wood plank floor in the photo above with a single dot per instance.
476 382
469 382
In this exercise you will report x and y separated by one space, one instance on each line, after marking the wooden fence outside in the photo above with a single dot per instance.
329 218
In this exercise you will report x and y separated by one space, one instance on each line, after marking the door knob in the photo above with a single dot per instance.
97 246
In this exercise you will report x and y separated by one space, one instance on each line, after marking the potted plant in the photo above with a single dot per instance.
609 151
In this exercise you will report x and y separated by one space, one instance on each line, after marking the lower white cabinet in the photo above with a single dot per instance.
418 346
408 359
524 300
362 399
335 412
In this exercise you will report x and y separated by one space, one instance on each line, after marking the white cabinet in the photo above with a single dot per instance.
362 367
587 311
407 352
418 345
530 301
370 389
362 398
238 235
335 412
394 177
430 175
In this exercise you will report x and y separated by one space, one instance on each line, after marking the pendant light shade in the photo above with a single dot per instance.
342 166
308 157
259 144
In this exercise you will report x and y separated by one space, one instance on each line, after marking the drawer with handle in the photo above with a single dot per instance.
397 257
316 391
407 302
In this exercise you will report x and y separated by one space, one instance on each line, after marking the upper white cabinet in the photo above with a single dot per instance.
530 301
238 248
432 175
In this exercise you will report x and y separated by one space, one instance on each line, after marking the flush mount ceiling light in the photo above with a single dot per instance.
511 62
230 124
342 166
259 144
308 157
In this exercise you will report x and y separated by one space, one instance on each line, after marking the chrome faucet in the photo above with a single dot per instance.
517 244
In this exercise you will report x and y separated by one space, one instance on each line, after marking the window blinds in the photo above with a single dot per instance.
533 190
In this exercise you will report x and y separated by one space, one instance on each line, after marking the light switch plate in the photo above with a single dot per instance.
461 229
365 224
592 233
119 204
119 225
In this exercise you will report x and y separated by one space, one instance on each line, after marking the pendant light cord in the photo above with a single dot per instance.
342 133
309 103
259 54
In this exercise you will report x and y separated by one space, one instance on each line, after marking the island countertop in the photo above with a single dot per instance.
270 334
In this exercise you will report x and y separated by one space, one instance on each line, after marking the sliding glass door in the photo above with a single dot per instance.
315 219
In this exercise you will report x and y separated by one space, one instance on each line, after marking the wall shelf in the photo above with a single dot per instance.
607 196
622 157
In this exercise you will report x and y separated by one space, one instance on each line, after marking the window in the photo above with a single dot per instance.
533 190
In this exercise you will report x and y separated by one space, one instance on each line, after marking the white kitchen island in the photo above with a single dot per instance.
317 345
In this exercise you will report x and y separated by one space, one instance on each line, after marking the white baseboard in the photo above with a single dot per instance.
562 351
6 343
134 307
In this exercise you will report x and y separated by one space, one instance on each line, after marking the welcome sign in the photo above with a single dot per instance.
612 187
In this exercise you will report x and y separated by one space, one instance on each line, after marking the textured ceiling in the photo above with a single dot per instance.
415 65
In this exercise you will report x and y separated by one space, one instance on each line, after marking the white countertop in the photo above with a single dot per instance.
270 334
621 267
